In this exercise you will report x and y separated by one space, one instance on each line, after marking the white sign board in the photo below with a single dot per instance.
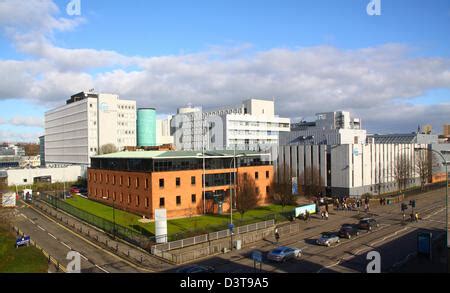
161 225
8 200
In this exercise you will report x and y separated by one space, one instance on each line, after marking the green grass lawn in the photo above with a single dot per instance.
205 223
19 260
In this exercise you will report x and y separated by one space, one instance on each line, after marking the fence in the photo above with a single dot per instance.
210 237
136 238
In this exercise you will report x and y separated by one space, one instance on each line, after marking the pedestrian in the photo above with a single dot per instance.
404 216
306 216
417 216
381 201
277 235
326 216
322 214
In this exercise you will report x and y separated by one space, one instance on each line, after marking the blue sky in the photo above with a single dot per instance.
176 29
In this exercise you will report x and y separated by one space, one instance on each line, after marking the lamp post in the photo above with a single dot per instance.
444 161
114 217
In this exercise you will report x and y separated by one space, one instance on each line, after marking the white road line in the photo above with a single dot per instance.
51 235
32 221
85 258
24 216
40 228
102 269
389 236
66 245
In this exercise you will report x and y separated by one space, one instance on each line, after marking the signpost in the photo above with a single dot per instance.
23 241
257 258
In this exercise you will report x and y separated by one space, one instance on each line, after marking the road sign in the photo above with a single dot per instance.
257 256
23 241
231 227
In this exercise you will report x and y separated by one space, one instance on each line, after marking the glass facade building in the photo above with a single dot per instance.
146 127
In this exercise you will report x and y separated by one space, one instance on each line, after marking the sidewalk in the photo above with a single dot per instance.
119 247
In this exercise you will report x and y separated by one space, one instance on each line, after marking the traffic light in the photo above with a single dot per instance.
413 203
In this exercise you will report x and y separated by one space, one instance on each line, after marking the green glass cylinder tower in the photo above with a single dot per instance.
146 127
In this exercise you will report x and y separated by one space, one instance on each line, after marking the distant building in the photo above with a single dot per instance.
163 131
146 127
12 150
330 128
42 150
446 131
29 176
252 125
143 181
404 138
76 131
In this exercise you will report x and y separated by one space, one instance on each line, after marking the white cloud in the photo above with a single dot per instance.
14 136
26 121
369 81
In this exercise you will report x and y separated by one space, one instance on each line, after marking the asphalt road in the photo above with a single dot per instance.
395 240
58 241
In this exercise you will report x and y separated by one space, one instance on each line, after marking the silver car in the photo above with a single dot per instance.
283 253
327 239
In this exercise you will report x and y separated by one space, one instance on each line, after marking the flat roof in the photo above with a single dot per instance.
178 154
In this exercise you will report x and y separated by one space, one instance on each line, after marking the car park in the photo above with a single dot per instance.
348 231
283 253
328 238
368 224
192 269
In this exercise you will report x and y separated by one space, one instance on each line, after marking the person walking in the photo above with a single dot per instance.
277 235
326 216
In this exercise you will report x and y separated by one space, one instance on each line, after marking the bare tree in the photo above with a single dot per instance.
107 149
280 190
246 194
424 166
402 171
313 182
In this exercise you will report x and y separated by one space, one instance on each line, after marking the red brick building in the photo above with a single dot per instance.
142 181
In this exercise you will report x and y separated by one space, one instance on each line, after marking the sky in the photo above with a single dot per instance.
391 70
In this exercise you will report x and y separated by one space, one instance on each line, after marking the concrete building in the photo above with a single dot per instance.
76 131
163 131
9 161
446 131
350 169
252 125
33 175
331 128
42 150
146 127
143 181
403 138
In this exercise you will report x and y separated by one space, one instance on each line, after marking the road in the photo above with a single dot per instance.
394 240
58 240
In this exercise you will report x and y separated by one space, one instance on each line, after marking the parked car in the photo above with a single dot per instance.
348 231
74 190
192 269
328 238
283 253
368 224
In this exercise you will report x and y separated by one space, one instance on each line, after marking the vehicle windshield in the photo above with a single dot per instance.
327 235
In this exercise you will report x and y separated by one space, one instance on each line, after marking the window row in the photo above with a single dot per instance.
112 179
162 200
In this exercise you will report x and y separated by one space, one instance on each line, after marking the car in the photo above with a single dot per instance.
368 224
348 230
283 253
192 269
75 190
328 238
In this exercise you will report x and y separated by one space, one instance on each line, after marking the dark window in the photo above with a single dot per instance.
161 183
267 174
161 202
178 181
193 198
257 190
267 189
146 183
193 180
178 200
256 175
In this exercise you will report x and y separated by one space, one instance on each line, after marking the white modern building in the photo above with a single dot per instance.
252 125
29 176
330 128
163 133
76 131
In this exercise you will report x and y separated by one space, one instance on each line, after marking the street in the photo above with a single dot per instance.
395 241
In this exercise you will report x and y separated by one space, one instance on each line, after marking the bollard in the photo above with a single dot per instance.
117 247
88 234
141 258
49 260
106 242
128 253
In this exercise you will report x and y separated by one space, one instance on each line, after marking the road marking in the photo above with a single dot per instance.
85 258
102 269
51 235
40 228
32 221
388 236
66 245
24 216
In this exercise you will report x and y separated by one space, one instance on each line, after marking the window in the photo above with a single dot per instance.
107 178
193 180
257 190
267 189
120 181
121 197
178 200
114 180
114 196
178 181
161 202
137 200
146 202
193 198
256 175
129 199
95 177
267 174
137 182
129 181
355 140
146 183
161 183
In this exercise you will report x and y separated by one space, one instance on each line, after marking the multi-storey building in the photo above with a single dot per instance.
163 133
252 125
185 183
76 131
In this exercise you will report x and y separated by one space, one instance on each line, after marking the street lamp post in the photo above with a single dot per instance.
444 161
114 217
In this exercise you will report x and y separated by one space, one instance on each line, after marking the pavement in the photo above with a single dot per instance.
395 240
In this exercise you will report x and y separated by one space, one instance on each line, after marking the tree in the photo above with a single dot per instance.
423 166
280 190
246 194
107 149
313 183
402 171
